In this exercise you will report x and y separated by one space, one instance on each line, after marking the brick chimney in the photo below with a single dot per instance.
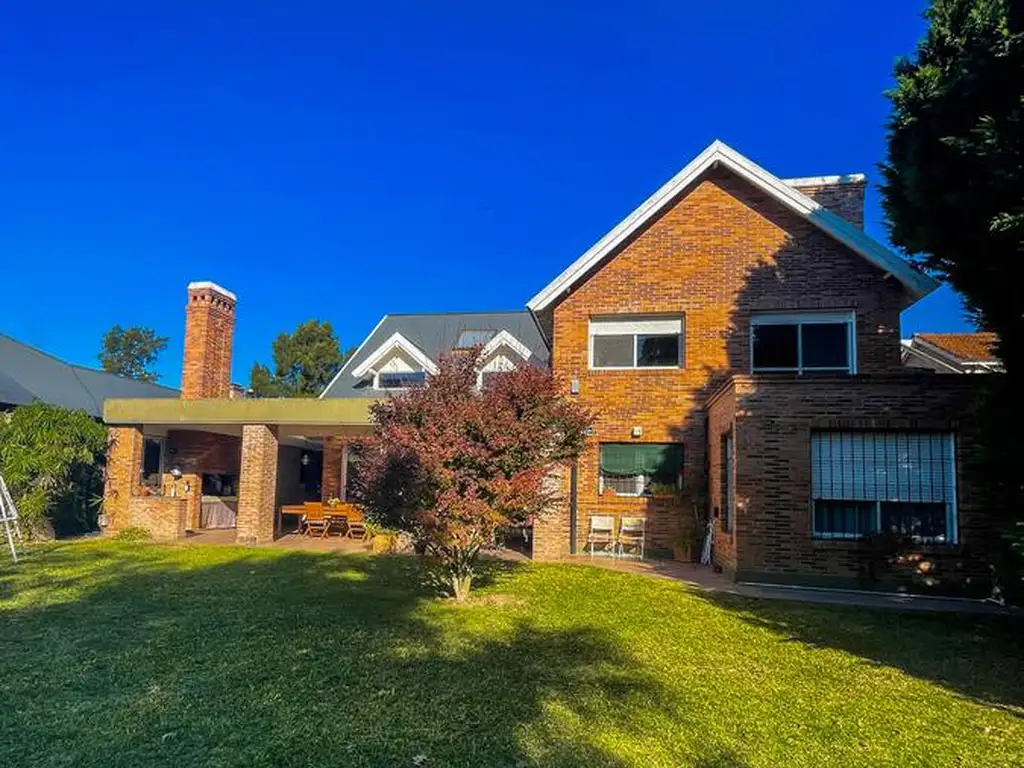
209 328
843 195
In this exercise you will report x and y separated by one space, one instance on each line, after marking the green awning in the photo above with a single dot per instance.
661 461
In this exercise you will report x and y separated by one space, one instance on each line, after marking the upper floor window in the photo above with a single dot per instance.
400 379
804 342
636 342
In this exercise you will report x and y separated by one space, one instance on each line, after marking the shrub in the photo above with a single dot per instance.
133 533
52 459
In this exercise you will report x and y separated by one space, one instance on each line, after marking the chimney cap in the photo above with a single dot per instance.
201 284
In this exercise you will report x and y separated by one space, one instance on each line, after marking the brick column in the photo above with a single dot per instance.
330 480
257 487
124 473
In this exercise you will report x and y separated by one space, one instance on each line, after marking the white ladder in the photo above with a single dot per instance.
9 519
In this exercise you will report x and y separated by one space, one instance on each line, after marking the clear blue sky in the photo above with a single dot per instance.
340 162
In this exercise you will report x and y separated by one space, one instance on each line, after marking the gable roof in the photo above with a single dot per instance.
28 374
396 342
917 283
965 347
434 335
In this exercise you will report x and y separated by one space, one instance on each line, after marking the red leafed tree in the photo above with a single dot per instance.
452 463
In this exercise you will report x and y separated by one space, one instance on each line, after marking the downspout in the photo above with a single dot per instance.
573 472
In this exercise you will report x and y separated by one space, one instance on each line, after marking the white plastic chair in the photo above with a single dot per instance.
602 532
632 532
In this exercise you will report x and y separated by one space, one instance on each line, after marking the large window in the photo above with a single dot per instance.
636 342
152 461
401 380
640 469
902 483
803 343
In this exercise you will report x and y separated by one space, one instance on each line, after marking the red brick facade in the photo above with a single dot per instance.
773 419
720 253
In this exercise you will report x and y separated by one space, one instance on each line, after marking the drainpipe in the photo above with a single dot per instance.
573 471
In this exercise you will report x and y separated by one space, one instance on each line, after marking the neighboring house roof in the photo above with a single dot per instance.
432 335
917 283
952 352
966 347
28 374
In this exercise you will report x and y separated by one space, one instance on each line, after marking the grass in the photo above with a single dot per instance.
116 654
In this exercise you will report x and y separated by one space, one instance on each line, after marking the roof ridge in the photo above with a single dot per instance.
449 314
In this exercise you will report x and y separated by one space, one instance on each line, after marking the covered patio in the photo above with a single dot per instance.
178 467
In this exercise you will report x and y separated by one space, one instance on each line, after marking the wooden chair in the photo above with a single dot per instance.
602 532
632 532
356 524
337 522
314 522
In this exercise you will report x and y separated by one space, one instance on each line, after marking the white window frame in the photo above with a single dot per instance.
637 325
848 317
952 506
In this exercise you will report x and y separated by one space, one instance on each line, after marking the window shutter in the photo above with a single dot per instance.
882 466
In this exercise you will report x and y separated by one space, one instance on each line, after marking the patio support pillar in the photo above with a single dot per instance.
331 481
124 475
257 486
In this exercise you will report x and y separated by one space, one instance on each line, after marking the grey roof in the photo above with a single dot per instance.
435 335
27 374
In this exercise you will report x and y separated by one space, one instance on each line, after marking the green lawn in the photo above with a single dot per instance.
127 655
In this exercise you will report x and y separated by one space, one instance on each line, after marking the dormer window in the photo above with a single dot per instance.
503 353
400 379
474 338
396 364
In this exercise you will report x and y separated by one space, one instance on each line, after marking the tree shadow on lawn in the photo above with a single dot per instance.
981 658
222 656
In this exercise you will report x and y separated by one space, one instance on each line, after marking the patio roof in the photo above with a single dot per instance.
309 416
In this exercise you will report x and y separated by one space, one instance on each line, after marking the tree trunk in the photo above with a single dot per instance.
460 586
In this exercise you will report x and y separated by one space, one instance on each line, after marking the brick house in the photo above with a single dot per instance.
737 337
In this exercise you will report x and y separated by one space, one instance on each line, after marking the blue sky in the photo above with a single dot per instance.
339 162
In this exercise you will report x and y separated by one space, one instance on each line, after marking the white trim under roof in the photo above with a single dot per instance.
917 283
506 339
397 342
353 356
200 284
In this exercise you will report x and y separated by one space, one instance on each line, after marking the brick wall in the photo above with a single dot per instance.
257 493
164 517
195 454
723 251
773 475
124 463
209 328
844 199
721 413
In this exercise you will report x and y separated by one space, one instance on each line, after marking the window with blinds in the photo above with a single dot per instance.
902 483
636 342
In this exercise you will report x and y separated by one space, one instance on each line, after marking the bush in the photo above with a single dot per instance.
133 533
52 459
